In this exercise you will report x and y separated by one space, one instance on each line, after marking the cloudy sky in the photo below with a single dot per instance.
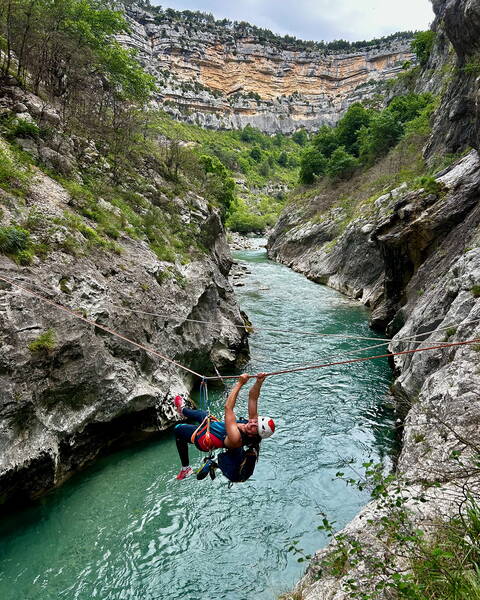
319 19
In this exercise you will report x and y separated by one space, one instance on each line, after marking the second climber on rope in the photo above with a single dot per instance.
232 433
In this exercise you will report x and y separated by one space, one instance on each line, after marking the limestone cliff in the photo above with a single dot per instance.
413 256
65 401
216 77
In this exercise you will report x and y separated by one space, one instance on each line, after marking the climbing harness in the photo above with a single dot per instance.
202 432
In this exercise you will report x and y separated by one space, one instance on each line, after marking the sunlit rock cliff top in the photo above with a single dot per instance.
225 75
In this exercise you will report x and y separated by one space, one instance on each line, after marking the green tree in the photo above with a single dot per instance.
251 135
422 45
326 140
256 154
377 139
300 137
219 185
356 117
408 107
341 164
312 164
283 159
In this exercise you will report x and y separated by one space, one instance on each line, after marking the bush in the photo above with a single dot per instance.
22 128
13 178
13 240
312 164
377 139
283 159
429 184
300 137
251 135
243 220
341 164
220 186
45 342
406 108
422 45
25 257
256 154
421 124
326 141
356 117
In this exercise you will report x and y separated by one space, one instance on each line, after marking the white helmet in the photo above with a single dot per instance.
266 427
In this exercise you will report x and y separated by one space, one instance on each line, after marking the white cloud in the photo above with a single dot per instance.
320 19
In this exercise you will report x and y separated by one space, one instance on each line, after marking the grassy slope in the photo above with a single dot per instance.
89 224
252 175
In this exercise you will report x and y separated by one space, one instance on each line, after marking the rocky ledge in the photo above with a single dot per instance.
70 390
416 262
62 404
413 257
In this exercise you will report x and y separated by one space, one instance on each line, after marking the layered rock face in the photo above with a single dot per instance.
73 397
413 256
210 77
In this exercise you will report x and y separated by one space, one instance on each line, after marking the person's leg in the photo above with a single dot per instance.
183 434
189 413
194 414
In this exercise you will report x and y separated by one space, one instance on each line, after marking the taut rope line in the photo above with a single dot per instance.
253 327
355 360
202 377
111 331
297 332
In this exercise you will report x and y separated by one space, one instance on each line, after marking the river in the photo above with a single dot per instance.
125 529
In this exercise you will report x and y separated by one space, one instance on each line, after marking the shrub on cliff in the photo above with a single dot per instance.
312 165
13 239
14 177
356 117
252 135
220 186
300 137
422 45
256 154
377 139
341 164
408 107
45 342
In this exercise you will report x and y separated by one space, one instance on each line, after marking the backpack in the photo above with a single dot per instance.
238 464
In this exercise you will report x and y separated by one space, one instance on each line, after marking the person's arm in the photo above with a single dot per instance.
253 396
233 439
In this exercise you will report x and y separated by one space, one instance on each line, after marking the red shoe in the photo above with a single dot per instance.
179 404
184 472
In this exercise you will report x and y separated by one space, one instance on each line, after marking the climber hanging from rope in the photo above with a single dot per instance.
232 434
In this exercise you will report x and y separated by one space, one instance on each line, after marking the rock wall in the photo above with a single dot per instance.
413 256
458 120
63 404
209 77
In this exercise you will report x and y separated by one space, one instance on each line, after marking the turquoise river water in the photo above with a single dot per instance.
125 529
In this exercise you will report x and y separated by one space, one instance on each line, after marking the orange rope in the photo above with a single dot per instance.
355 360
111 331
295 370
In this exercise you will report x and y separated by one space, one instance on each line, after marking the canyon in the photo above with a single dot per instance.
214 77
